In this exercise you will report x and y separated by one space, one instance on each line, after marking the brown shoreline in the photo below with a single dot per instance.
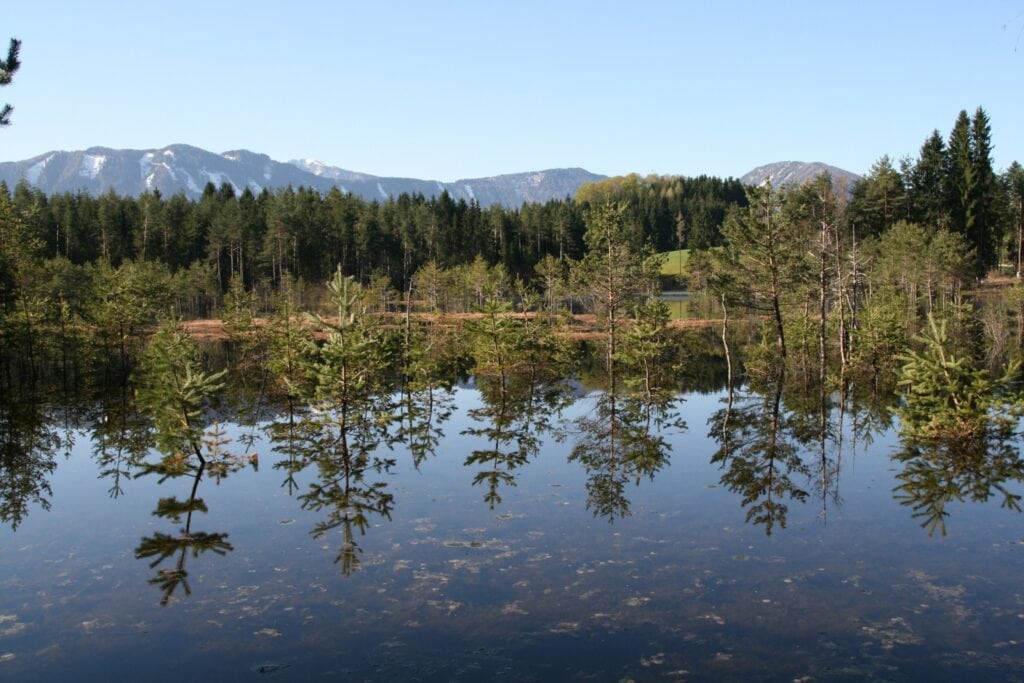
583 326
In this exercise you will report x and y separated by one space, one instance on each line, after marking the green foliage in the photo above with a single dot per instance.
881 334
669 212
763 259
8 67
879 200
175 390
290 345
612 277
928 269
958 430
945 395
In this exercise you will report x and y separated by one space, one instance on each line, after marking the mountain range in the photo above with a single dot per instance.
183 168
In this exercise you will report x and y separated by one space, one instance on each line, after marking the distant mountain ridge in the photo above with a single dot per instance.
183 168
797 173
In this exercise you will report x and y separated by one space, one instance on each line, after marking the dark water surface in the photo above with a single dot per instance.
537 588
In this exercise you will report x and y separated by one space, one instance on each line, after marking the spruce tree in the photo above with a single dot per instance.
1013 180
986 225
972 191
926 184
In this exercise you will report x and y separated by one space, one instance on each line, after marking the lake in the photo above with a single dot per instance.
555 565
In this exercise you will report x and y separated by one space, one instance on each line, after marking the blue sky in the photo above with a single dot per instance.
449 90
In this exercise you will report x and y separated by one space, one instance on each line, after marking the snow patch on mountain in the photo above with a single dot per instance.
218 179
91 166
147 169
312 165
36 170
191 184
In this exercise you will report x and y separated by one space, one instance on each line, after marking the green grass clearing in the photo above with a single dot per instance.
675 262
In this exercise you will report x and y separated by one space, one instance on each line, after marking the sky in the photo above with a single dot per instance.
450 90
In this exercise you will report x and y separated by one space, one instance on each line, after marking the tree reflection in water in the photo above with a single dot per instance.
121 437
759 453
623 439
29 444
161 546
429 373
520 372
939 472
344 426
958 431
175 392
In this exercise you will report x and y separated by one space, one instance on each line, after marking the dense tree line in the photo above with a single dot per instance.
951 185
260 237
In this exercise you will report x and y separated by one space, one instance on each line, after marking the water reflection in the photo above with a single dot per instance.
675 589
121 437
938 473
29 444
429 373
623 439
344 448
958 430
760 453
521 376
343 428
160 546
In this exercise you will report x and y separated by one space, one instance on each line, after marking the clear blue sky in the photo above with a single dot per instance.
448 90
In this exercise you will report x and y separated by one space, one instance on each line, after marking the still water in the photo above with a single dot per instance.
724 568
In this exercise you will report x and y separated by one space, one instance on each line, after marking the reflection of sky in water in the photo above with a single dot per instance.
537 588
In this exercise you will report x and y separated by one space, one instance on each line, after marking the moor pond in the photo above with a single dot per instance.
557 537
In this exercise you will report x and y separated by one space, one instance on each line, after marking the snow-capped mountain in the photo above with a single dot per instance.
182 168
797 173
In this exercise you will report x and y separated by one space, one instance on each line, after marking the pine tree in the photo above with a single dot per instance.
612 275
945 395
763 255
7 69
